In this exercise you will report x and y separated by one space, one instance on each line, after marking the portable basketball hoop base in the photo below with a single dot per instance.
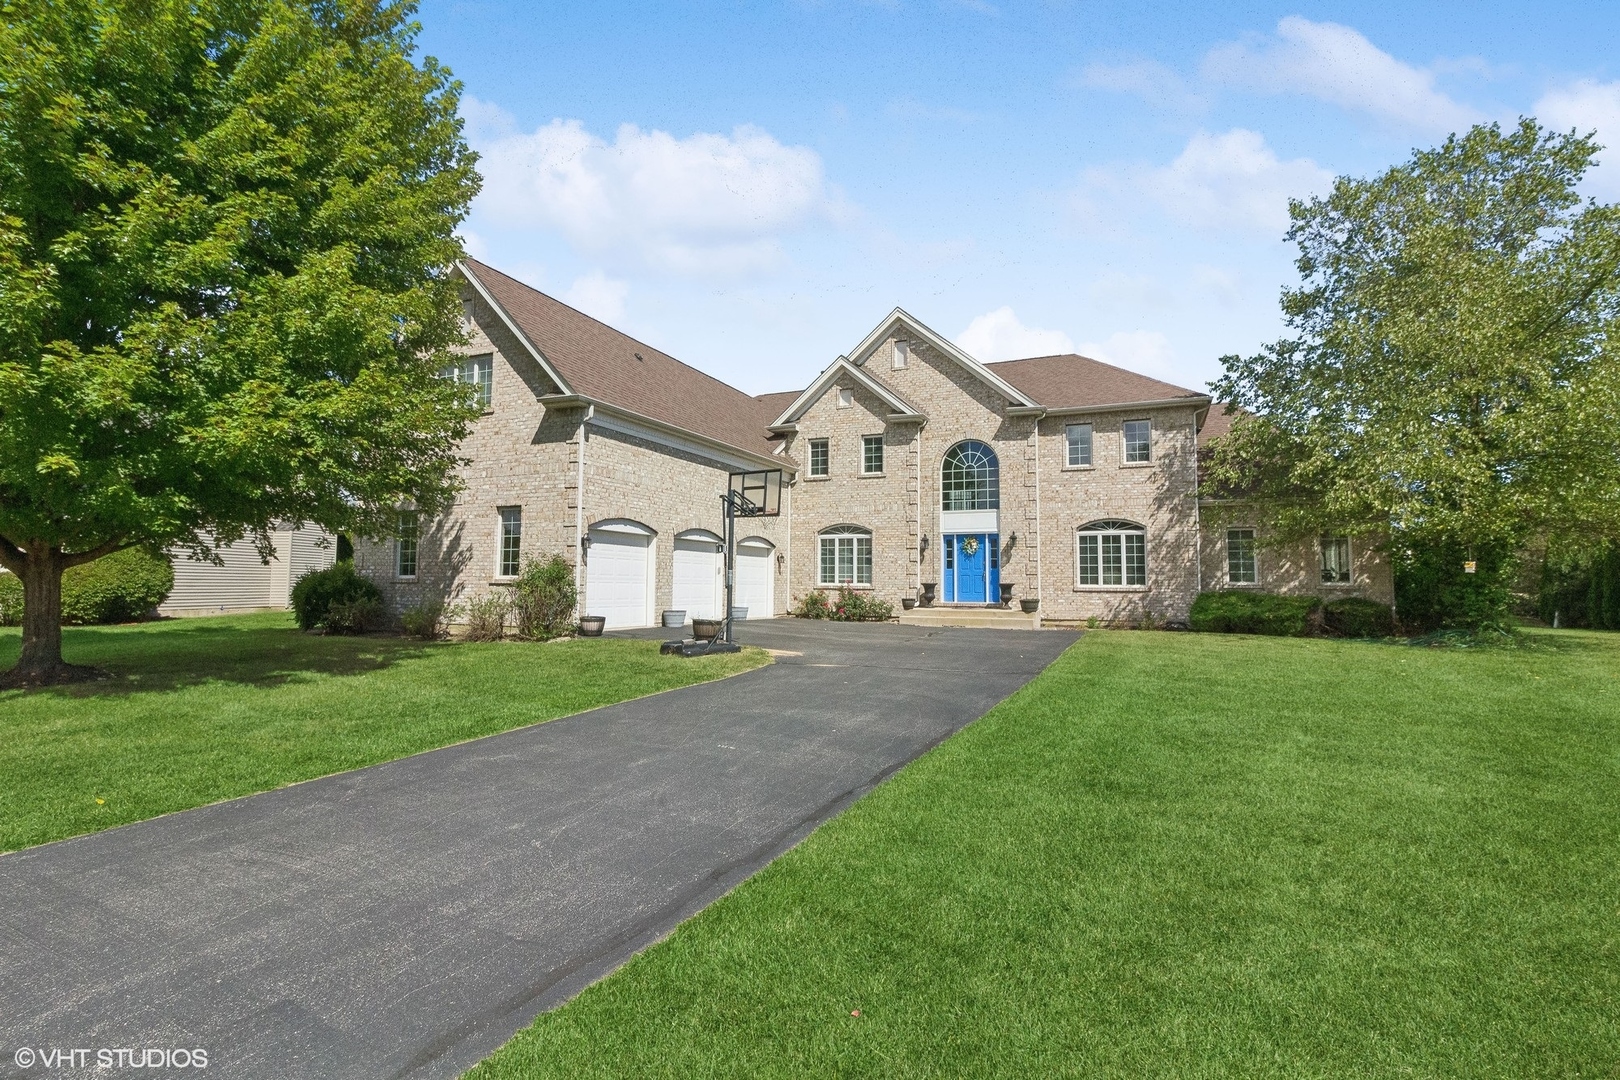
748 494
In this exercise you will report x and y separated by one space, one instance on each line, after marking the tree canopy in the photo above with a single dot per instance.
226 235
1451 375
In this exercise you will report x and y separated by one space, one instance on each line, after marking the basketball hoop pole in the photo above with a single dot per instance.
731 559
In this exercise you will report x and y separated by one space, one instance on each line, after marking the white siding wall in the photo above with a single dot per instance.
244 583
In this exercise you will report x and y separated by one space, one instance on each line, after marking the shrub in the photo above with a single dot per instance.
1232 612
543 599
848 606
314 593
354 616
1433 590
486 617
121 587
1353 616
428 620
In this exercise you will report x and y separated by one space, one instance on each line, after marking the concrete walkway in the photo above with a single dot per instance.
406 919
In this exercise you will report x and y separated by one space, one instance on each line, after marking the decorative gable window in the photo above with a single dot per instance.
1079 438
846 556
478 372
818 457
405 544
1138 438
1112 553
846 397
511 541
871 454
1335 560
902 354
1241 568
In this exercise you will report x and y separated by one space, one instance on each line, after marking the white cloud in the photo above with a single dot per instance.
704 204
598 296
1157 84
1227 181
999 335
1588 106
1338 64
1145 351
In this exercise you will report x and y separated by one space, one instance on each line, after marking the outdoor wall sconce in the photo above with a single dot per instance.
922 545
584 547
781 561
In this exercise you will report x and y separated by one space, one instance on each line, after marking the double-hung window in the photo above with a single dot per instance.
1079 438
819 458
871 454
511 541
1335 560
846 556
405 545
1241 568
1112 553
1138 438
477 372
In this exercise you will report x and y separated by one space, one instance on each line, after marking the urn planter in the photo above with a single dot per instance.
1006 594
591 625
928 588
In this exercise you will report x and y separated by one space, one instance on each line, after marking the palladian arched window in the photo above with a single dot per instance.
1112 552
846 556
971 479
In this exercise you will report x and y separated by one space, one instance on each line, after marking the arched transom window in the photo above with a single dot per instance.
1112 552
846 556
972 477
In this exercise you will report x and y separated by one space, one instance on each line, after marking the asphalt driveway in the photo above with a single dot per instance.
405 919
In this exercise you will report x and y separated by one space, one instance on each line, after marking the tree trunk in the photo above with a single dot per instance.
41 661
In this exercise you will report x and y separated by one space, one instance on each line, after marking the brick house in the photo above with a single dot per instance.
907 464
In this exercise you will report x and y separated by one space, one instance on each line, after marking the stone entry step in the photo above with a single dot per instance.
985 618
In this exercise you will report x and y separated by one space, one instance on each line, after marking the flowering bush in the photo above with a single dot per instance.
848 606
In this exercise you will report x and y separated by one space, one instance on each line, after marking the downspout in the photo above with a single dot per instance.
1040 548
579 512
787 492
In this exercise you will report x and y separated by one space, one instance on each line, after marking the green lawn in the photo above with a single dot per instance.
208 709
1179 856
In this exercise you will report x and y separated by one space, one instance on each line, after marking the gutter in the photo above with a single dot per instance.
1201 401
564 401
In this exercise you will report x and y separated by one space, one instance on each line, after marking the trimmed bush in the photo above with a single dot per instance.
314 594
123 587
1233 612
543 599
1355 617
486 616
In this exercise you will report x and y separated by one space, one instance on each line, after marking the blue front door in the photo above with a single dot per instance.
972 571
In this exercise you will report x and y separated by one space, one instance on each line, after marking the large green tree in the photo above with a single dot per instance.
226 229
1452 379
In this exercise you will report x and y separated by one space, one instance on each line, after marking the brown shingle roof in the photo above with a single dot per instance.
776 404
1217 423
601 363
1073 382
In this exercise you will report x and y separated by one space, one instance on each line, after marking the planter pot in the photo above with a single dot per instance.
706 629
928 593
591 625
1006 595
739 614
1029 607
675 617
908 602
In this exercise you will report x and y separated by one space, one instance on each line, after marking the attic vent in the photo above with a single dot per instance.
902 353
846 397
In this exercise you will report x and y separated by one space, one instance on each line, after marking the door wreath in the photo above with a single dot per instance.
970 545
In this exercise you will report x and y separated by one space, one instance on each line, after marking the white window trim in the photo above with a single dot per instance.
883 453
500 542
810 458
1349 562
1124 464
1075 548
417 556
1079 468
1227 545
853 534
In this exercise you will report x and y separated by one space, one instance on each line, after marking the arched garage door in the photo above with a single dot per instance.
699 582
618 574
756 573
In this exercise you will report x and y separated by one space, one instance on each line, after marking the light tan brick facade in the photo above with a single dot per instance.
575 463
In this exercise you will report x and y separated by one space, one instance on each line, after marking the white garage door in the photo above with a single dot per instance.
699 579
617 585
754 578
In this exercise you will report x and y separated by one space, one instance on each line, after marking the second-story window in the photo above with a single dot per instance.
1138 438
477 372
818 457
1079 438
871 453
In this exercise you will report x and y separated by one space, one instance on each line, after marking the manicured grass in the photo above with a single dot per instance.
1179 856
208 709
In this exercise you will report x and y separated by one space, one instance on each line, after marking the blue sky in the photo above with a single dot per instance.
751 187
